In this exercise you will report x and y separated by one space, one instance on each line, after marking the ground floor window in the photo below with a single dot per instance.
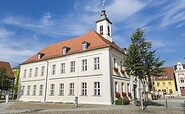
71 88
97 88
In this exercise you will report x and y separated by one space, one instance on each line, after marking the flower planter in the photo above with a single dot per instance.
122 71
115 69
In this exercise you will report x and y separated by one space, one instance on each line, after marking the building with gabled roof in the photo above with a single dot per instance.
11 78
89 67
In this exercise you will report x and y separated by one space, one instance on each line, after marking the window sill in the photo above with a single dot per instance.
97 96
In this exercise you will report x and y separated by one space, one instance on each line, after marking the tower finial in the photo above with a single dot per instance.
103 4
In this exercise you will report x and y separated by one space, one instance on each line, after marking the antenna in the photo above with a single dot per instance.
103 4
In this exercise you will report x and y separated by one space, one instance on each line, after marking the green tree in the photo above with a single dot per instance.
16 74
141 61
4 80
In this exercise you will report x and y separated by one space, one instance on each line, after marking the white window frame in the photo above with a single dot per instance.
72 66
84 65
61 89
62 68
97 89
34 89
52 90
53 72
25 71
23 87
28 90
41 90
84 89
36 71
71 88
42 70
96 63
84 46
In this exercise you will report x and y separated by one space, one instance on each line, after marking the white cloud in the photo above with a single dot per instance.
5 33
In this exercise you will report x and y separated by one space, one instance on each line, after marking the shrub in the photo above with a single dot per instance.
122 102
115 69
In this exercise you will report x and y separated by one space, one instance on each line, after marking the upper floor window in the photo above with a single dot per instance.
53 69
84 88
62 68
42 70
52 89
158 84
163 83
24 73
96 63
115 65
72 66
36 71
30 72
169 83
97 88
71 88
108 29
65 50
84 65
116 86
181 80
101 29
121 65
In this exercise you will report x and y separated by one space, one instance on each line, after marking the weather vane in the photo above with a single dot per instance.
103 4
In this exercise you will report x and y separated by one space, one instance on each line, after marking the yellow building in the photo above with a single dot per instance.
166 82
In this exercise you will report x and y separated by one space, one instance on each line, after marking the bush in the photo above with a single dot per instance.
122 102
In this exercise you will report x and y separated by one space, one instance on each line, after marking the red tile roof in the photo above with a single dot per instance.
8 68
168 72
95 40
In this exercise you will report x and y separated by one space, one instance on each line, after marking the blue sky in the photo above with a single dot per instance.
27 26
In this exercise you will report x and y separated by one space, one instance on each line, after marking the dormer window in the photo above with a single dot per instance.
85 45
166 76
40 55
65 50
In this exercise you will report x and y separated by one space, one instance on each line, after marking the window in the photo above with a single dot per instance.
72 66
24 73
71 88
84 88
169 83
165 76
121 65
64 50
181 80
163 83
52 89
123 87
96 88
116 86
28 90
53 69
164 90
41 90
128 86
34 90
61 89
62 68
36 71
101 29
158 84
171 91
96 63
108 28
23 90
40 55
42 71
115 63
84 45
84 65
30 72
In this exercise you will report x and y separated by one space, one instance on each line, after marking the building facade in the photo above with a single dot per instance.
89 67
166 82
11 79
180 78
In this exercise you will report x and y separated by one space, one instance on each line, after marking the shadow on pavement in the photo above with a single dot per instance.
150 103
183 106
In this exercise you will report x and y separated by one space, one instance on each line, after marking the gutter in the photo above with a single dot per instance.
46 84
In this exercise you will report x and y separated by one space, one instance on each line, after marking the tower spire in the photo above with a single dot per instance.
103 5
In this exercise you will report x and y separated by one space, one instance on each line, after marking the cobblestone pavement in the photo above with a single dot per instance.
158 107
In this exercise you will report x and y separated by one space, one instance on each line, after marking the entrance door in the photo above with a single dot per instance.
182 91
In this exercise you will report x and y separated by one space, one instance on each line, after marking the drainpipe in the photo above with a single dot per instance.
111 76
46 84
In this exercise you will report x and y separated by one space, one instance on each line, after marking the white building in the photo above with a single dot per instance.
89 67
180 78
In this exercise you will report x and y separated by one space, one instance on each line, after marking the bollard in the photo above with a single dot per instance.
76 102
166 103
7 98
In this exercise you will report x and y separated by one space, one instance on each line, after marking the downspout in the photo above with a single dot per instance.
46 84
111 76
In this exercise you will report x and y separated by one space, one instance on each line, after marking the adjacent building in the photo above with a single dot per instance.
166 82
180 78
89 67
11 78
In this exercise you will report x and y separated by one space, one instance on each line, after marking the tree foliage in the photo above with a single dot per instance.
16 74
140 60
4 80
